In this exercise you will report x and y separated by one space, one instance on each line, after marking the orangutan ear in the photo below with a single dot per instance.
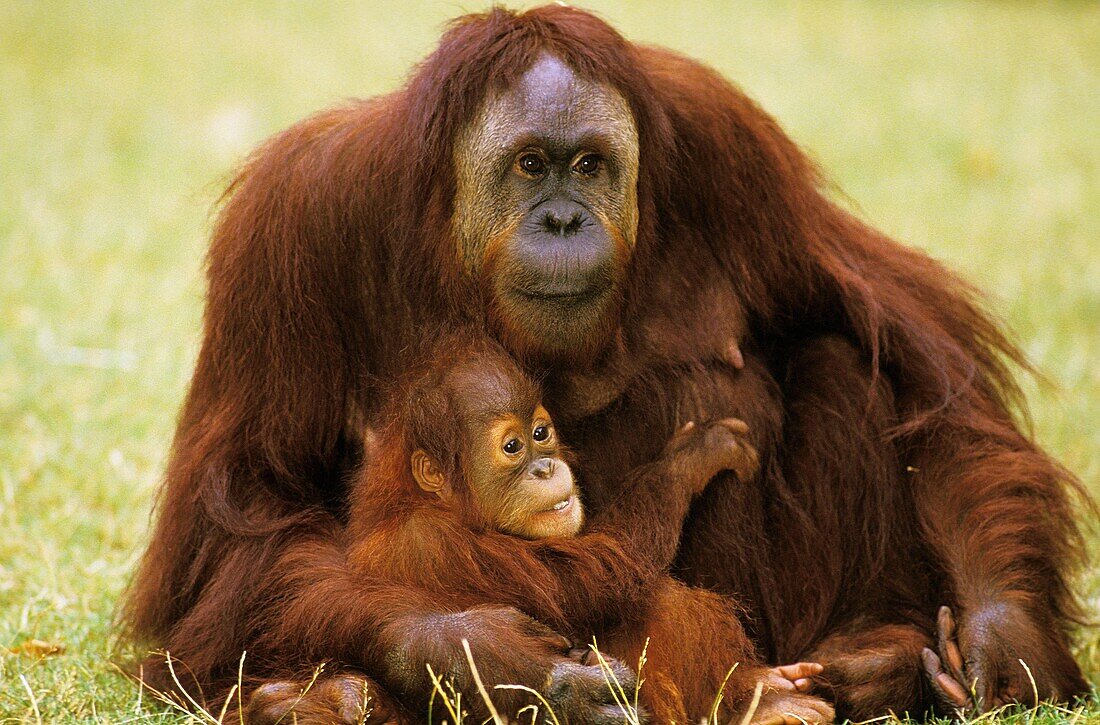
427 473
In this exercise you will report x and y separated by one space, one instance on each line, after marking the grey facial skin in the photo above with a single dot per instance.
550 236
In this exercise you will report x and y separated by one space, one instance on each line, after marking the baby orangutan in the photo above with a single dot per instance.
467 498
516 480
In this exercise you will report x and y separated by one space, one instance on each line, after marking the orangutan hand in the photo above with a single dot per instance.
998 655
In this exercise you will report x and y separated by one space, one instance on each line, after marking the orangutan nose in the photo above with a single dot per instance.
563 218
543 468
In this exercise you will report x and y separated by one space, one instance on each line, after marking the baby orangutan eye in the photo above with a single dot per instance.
541 433
513 446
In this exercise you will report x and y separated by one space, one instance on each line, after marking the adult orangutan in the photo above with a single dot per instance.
617 215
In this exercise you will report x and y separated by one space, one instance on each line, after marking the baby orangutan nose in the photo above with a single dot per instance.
543 468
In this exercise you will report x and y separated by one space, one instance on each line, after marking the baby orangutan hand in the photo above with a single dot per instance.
698 453
785 699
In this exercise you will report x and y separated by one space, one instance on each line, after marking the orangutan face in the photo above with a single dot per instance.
546 211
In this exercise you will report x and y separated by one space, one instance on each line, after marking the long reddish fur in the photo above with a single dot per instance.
334 247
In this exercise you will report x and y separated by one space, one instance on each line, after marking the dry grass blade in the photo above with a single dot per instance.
179 686
454 707
1031 677
538 696
721 694
630 711
642 659
240 689
754 704
34 700
480 685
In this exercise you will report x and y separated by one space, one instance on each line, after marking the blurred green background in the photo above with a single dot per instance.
970 130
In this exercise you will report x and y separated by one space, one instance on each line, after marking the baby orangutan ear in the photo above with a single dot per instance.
427 474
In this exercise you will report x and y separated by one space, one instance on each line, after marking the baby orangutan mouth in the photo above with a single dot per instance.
563 518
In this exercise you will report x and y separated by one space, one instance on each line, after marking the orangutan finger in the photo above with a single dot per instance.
947 690
777 682
948 645
799 670
954 691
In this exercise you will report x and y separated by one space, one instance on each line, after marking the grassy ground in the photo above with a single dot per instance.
969 130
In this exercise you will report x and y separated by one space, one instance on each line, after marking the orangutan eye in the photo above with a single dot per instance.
541 433
531 164
513 446
588 164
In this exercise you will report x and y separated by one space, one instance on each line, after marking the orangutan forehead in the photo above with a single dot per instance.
487 388
553 105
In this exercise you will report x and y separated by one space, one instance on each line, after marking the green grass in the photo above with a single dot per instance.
968 130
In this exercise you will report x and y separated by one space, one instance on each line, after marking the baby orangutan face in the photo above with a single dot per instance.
520 481
514 477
